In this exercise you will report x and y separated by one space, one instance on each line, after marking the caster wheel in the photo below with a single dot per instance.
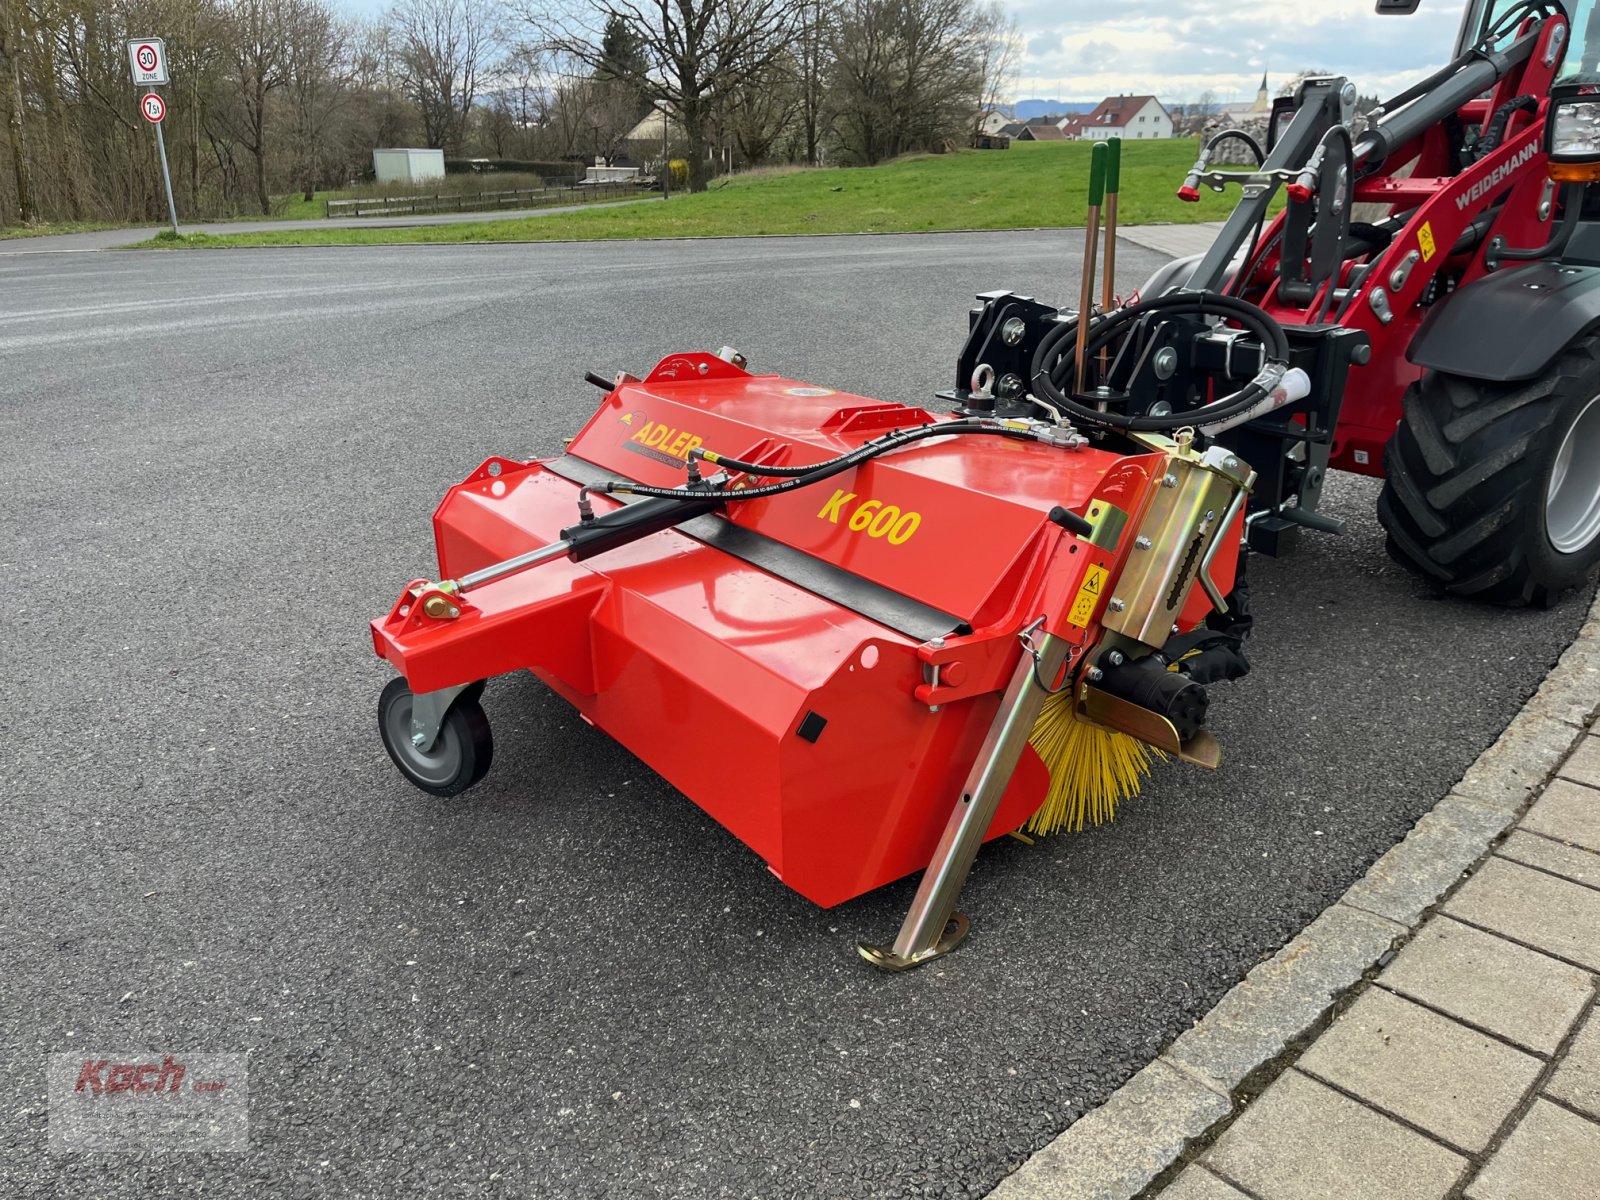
460 755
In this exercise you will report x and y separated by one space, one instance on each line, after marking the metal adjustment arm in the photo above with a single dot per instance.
932 926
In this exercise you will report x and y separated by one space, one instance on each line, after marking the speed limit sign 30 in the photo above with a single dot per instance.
148 57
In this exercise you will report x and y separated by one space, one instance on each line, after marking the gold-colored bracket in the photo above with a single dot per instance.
885 958
1113 712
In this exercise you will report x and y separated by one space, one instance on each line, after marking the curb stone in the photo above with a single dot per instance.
1201 1080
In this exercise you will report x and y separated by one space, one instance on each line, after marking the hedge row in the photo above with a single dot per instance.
549 170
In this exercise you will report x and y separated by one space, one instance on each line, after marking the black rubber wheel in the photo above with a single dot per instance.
460 755
1493 489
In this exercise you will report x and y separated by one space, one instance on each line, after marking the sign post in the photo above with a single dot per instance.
148 58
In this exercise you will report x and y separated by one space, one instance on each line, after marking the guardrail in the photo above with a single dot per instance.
445 202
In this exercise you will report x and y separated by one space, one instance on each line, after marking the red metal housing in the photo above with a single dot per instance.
830 741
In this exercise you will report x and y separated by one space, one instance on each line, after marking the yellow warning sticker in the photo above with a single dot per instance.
1088 597
1425 240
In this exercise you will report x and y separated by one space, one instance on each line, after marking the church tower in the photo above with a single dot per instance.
1263 100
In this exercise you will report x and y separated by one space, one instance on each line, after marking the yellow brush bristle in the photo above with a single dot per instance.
1090 768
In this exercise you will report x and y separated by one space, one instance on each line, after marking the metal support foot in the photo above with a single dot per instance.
885 958
932 927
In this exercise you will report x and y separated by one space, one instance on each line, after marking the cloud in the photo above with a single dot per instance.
1086 49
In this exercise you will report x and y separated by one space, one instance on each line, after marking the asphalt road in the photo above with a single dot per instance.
219 465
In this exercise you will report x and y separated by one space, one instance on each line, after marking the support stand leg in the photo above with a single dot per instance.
932 927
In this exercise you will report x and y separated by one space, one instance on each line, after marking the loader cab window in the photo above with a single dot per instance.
1582 62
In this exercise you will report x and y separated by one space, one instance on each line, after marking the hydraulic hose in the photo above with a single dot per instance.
1246 314
1237 135
814 474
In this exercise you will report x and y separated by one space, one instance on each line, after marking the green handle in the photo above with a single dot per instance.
1097 174
1114 166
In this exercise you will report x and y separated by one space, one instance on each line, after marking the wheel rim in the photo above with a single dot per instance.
438 766
1572 505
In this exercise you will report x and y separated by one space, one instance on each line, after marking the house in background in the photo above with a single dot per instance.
1072 127
993 122
1128 117
1040 133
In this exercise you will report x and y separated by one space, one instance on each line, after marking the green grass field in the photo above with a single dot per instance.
1032 185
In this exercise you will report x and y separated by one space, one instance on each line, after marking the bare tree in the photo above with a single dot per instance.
526 86
904 77
11 83
696 54
258 42
997 52
383 116
317 72
757 114
815 20
445 46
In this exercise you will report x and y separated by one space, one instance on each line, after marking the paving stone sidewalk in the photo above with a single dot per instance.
1434 1035
1471 1065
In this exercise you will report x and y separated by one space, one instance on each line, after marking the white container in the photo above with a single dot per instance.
407 166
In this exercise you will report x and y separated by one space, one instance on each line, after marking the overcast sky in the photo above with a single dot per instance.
1177 49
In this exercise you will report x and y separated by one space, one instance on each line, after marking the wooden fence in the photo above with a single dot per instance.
446 202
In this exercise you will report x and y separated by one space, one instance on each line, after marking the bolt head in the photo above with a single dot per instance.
1011 332
1117 605
1169 481
1231 463
1096 674
1143 543
418 740
1115 658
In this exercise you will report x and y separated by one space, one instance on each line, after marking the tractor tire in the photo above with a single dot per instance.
1493 489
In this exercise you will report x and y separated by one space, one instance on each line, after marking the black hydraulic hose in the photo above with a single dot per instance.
1477 51
701 454
1519 12
1246 314
1416 90
1247 265
813 475
1052 342
1496 133
1572 207
1237 135
1419 108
